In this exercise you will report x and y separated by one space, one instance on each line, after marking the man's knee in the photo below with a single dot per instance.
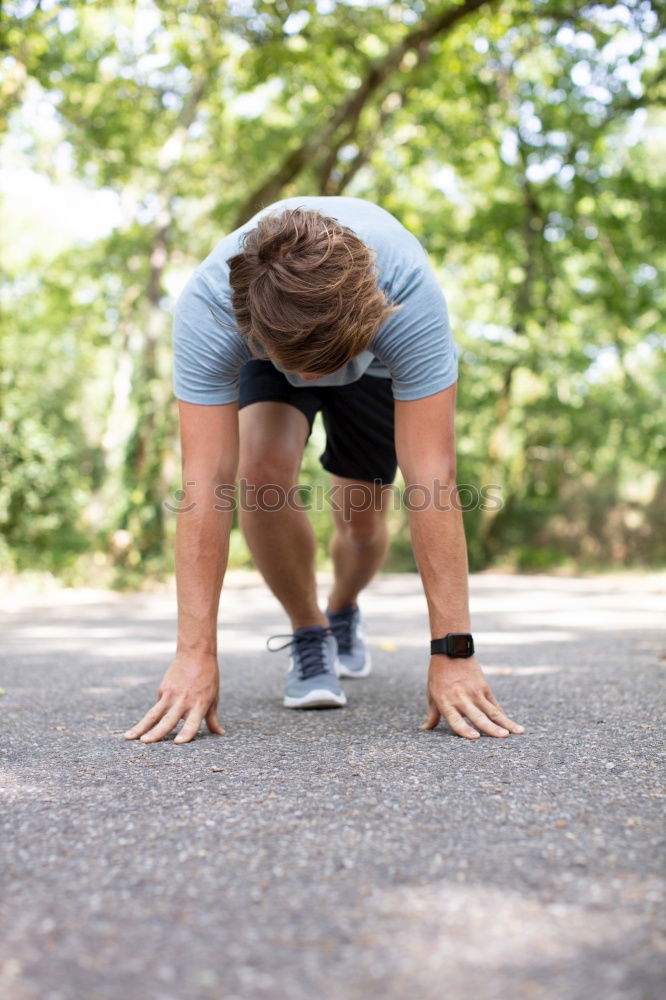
362 531
261 469
272 438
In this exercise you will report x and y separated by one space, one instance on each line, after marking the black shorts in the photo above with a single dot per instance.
358 418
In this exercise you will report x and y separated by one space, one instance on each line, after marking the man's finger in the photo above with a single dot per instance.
164 727
213 722
148 721
481 720
458 724
432 717
498 715
190 727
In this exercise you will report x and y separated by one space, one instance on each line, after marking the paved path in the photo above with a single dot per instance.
335 855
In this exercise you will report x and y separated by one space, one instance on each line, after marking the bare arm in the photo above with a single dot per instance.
190 687
425 443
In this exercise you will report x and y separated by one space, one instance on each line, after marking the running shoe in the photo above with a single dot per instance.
353 654
312 681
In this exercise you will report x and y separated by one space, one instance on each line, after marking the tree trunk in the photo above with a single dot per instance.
143 467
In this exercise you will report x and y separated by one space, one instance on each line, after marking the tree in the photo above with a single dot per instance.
517 140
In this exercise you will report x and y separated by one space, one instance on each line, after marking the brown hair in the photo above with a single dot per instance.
304 292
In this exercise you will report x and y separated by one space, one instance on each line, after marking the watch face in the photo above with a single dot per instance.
461 644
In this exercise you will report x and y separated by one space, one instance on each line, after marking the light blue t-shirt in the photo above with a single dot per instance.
413 347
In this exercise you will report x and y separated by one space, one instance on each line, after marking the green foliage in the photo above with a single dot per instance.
522 142
48 469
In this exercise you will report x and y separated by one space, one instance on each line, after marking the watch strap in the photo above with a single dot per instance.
459 645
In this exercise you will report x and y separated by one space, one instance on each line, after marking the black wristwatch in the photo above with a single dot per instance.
456 644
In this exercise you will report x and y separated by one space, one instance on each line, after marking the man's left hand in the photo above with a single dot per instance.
458 691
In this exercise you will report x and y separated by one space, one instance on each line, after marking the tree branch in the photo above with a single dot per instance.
350 108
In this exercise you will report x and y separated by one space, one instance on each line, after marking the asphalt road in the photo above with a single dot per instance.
340 855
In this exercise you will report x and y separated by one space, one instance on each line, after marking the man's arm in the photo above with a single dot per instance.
190 687
425 443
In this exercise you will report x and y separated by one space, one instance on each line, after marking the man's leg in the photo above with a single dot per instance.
282 542
360 541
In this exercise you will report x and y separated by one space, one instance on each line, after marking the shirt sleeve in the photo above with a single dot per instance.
208 352
416 344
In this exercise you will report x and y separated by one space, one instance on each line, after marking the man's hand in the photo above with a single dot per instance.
189 690
458 690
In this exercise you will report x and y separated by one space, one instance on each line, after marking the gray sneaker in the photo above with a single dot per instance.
312 681
353 655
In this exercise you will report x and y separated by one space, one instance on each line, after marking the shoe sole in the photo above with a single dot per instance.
343 671
316 699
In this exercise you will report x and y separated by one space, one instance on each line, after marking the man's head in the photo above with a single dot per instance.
304 292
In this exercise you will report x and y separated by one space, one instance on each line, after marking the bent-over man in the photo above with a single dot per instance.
318 304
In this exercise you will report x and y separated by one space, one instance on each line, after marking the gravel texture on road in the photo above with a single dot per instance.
335 855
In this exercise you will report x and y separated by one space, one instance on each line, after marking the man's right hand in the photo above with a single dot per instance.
189 690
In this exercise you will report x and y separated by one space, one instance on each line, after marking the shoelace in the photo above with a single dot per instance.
308 646
342 630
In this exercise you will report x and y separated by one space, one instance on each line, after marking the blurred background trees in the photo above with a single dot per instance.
522 142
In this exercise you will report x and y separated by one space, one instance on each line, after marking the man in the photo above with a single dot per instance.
318 303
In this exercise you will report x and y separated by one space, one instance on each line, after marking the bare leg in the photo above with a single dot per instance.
282 542
360 541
